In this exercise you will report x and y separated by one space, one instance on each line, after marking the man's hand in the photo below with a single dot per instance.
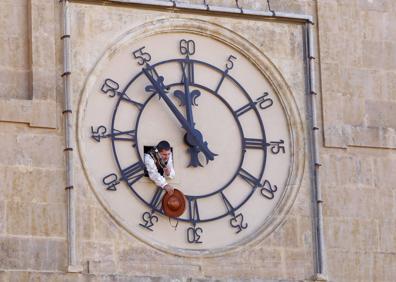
169 189
166 171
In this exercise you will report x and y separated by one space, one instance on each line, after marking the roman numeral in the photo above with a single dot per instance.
125 97
249 178
253 143
193 210
129 135
221 81
133 173
155 202
227 204
245 108
187 71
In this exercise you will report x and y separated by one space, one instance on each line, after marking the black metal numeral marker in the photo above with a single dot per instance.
99 133
194 235
237 220
155 202
133 173
277 147
229 66
187 68
267 190
249 178
253 143
264 101
187 47
111 181
245 109
142 57
149 220
110 86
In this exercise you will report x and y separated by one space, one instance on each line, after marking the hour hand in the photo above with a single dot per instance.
191 140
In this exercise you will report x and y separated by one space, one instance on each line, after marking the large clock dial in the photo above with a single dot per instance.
231 124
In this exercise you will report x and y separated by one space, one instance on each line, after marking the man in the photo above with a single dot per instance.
159 165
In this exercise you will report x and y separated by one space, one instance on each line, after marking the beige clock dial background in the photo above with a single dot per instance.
213 118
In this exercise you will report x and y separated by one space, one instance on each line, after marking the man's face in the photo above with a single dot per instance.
165 154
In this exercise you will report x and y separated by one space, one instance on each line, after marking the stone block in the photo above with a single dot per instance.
19 58
381 113
384 267
34 185
286 235
259 262
376 137
105 226
85 222
389 88
301 206
164 269
36 219
351 234
2 216
14 83
390 26
27 149
357 84
372 23
355 116
97 250
331 75
379 5
327 16
298 264
373 54
330 47
18 218
35 254
357 202
387 234
384 175
390 55
101 266
348 266
347 169
336 136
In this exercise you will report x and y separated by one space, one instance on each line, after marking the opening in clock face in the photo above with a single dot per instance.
227 127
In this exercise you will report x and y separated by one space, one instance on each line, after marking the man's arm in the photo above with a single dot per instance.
169 170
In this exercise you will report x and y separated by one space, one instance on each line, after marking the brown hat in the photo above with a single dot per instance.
175 204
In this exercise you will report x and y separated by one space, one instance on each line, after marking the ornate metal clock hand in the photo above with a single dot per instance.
187 98
195 136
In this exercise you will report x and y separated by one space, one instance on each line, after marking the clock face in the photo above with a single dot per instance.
233 147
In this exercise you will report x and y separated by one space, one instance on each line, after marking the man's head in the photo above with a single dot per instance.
164 150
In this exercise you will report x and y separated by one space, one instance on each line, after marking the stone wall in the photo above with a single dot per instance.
356 63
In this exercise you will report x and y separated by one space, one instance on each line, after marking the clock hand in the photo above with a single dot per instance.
196 137
187 100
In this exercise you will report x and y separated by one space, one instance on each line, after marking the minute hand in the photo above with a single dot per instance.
194 133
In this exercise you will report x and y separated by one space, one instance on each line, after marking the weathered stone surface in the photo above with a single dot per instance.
286 235
362 202
347 169
347 266
27 150
352 234
36 254
367 29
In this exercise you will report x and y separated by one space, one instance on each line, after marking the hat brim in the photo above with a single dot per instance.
178 212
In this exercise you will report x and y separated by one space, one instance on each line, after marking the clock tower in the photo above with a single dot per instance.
232 121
